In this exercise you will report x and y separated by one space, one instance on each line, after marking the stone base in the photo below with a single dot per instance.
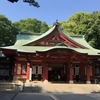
17 79
88 82
27 81
45 81
71 82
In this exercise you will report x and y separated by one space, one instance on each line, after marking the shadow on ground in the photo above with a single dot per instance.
35 89
57 89
95 92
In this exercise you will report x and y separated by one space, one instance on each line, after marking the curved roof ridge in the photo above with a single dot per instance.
77 36
71 38
82 41
60 47
23 38
41 36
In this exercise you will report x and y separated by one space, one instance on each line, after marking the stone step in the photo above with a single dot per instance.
7 86
48 87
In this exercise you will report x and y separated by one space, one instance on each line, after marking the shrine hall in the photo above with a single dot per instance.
53 56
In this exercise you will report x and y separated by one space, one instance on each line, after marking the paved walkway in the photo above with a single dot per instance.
91 90
46 87
7 95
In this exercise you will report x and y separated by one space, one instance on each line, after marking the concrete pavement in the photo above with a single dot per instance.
7 95
50 96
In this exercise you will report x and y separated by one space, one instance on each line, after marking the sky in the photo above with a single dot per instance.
49 10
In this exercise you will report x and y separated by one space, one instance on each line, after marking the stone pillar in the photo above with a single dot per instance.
88 75
71 75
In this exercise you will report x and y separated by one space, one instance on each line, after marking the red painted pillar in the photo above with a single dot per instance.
45 72
15 69
88 75
82 67
93 70
28 72
71 74
67 73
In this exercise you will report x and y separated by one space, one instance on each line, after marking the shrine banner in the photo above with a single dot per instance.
39 69
33 69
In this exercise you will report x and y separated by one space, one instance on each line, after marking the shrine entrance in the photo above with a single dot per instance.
76 73
36 72
57 72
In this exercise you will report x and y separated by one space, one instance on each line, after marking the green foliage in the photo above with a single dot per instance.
31 26
7 32
44 27
84 24
79 24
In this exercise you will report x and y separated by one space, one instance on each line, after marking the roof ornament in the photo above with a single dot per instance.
56 23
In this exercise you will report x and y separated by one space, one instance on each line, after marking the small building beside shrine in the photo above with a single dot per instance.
51 56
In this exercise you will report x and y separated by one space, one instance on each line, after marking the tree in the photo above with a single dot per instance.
31 2
84 24
7 32
31 26
76 24
44 27
95 30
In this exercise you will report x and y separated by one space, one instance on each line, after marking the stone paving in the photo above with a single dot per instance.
91 90
46 87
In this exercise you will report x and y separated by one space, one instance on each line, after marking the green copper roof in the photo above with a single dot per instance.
43 35
73 40
34 49
78 50
81 40
24 38
51 30
9 47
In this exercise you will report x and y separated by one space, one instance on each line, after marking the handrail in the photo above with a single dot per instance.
97 81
